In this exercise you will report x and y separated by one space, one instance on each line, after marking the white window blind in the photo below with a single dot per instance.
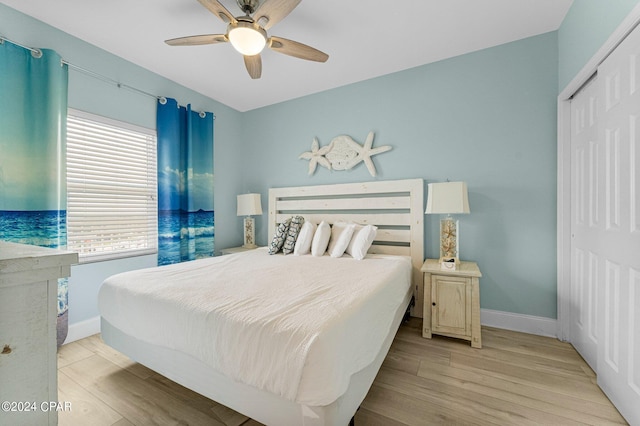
111 188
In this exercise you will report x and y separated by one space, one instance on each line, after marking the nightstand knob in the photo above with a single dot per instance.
433 304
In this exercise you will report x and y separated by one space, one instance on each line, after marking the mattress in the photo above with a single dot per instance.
295 326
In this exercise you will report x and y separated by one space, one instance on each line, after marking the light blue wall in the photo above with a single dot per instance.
98 97
487 118
588 24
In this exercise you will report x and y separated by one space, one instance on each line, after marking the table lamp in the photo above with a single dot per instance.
448 198
249 205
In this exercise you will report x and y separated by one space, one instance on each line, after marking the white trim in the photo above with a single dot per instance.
82 329
563 220
540 326
564 167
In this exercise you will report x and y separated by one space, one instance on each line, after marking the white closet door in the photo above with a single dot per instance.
586 221
619 293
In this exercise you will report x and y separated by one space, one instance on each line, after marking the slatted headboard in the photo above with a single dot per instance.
395 207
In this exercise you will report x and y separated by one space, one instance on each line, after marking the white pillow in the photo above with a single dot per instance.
305 237
321 239
341 233
362 239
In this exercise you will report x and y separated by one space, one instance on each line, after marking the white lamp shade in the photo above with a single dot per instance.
447 198
249 205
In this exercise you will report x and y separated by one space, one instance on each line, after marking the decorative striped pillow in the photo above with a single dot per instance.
278 239
292 234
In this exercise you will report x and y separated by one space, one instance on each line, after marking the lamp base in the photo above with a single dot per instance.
449 263
249 233
449 240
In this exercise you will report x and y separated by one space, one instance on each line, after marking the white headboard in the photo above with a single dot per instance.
395 207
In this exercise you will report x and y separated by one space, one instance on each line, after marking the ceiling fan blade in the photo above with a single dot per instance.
299 50
219 10
197 40
270 12
254 65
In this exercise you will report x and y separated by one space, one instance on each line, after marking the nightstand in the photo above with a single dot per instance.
452 301
232 250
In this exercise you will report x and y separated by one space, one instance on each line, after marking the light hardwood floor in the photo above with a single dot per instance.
515 379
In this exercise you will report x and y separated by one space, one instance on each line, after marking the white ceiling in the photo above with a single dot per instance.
364 39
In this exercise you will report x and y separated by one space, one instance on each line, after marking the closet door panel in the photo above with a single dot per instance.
619 316
586 221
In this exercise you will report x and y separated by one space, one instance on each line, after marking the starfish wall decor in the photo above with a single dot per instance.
343 153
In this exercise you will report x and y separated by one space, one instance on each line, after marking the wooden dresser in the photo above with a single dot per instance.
28 310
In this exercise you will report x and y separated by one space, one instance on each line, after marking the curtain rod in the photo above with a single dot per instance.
37 53
107 79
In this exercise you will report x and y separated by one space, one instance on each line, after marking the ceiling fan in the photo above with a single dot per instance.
248 35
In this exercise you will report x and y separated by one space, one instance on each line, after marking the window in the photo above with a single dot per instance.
111 188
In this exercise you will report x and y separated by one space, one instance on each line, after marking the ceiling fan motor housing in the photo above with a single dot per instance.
248 6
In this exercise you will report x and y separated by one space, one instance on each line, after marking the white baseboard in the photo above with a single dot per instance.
83 329
505 320
519 322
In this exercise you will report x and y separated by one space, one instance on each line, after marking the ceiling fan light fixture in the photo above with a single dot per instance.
247 38
248 34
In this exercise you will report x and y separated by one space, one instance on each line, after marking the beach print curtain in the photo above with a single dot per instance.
185 183
33 111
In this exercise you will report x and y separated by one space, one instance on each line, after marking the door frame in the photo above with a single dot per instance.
563 231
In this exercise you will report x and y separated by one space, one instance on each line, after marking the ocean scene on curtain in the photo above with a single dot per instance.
33 194
185 183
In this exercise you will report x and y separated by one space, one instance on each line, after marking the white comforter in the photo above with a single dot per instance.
296 326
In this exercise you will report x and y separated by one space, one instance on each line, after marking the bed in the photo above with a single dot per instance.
306 335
